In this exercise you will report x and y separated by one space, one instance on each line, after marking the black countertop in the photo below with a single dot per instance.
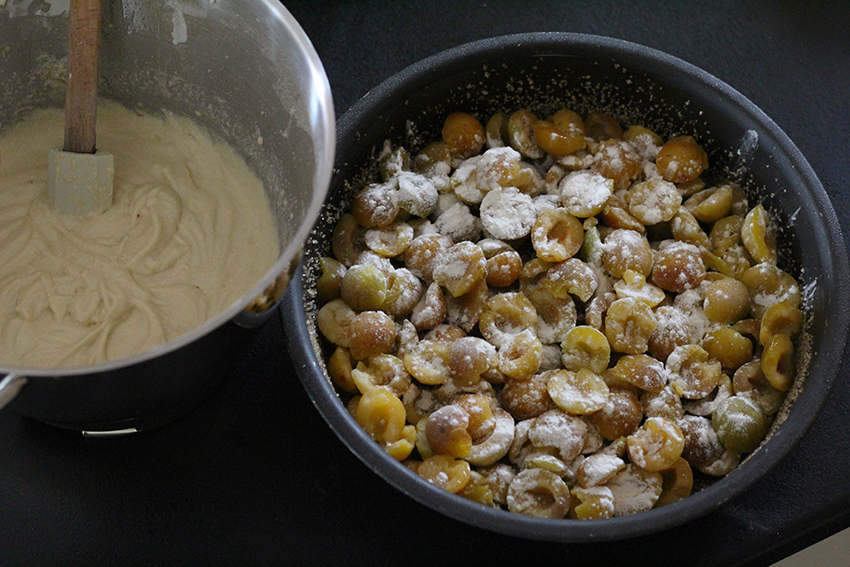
255 477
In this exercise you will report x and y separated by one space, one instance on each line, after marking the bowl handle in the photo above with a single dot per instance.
9 388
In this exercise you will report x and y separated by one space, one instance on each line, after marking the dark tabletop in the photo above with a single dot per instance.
255 477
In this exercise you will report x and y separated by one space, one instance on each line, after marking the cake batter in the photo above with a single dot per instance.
189 232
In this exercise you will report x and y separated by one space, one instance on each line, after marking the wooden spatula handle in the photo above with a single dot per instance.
81 95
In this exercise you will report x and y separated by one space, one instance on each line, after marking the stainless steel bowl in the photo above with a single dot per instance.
639 85
245 70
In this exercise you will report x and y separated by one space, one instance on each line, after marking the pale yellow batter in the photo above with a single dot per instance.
189 233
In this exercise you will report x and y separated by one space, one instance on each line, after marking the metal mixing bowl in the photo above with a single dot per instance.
245 70
638 85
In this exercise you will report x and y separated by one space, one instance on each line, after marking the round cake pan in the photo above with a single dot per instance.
640 86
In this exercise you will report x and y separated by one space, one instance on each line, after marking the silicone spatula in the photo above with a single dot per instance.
80 176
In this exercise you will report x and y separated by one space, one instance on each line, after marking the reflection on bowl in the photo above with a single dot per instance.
638 86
